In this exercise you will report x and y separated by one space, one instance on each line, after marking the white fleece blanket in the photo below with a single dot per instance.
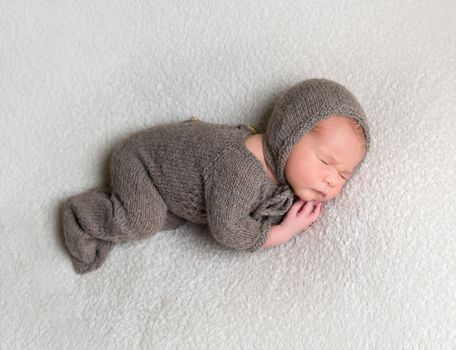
377 271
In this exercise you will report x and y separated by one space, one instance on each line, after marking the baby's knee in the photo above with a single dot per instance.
125 168
120 157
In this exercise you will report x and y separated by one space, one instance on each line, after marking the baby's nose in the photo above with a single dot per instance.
331 182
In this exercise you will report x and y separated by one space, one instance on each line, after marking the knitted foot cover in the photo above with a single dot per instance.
87 253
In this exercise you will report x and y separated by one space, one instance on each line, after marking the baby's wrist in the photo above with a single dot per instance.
278 234
287 231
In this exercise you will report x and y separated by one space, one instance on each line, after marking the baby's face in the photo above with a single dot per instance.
319 165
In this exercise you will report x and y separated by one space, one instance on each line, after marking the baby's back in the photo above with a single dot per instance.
176 157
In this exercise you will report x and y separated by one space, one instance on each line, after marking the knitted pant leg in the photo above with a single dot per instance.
94 221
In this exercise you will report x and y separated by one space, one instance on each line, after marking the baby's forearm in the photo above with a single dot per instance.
277 235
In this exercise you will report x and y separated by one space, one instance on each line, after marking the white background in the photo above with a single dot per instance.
377 271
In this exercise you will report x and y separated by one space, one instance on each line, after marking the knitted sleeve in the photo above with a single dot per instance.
233 192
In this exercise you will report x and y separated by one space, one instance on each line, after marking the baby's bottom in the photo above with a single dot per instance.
94 221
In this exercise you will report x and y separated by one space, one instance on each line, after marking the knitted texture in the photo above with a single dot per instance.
173 173
203 173
298 110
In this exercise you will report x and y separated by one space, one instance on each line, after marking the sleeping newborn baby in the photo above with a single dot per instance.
252 190
317 168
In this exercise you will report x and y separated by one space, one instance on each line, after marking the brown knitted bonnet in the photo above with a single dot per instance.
298 110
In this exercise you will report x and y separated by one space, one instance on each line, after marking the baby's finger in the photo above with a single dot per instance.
317 210
296 206
307 208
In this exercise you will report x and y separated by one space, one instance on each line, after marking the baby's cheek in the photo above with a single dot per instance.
337 190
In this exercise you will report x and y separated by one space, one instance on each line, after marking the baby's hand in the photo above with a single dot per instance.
301 215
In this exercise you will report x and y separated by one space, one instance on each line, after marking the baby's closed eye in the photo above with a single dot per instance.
344 178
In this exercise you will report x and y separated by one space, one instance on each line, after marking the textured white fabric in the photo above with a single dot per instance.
378 269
